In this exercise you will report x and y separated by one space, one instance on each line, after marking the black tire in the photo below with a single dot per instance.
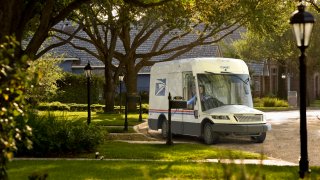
260 138
164 129
209 137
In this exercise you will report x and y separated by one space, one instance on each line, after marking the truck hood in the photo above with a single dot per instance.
233 109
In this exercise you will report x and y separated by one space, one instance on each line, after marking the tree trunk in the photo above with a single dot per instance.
131 85
109 90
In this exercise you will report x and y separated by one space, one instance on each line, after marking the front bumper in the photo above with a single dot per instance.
242 128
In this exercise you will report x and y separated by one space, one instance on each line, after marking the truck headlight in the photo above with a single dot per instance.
220 117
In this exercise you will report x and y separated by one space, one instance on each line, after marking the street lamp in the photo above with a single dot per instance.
302 23
121 76
88 73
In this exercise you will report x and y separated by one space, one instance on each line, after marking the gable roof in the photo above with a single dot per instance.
68 51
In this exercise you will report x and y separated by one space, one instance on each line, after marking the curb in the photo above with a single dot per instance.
264 162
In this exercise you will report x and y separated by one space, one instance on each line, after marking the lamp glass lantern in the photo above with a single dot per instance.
88 70
302 23
121 76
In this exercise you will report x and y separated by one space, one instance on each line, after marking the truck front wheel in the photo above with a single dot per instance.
260 138
164 129
209 136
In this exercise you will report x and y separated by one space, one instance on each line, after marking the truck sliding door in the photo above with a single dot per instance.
190 114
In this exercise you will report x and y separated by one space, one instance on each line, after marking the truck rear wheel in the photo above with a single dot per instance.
260 138
209 136
164 129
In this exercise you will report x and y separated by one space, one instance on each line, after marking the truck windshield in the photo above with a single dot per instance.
217 90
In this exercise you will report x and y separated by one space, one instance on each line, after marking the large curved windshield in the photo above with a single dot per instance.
225 89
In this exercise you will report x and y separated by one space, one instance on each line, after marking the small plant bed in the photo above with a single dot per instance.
315 104
271 104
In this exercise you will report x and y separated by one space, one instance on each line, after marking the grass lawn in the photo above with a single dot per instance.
96 169
176 164
99 118
177 152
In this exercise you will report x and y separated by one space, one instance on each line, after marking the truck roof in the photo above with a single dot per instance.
202 64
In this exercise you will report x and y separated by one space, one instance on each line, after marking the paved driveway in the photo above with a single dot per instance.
283 141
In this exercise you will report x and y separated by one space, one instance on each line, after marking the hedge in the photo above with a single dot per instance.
73 89
58 106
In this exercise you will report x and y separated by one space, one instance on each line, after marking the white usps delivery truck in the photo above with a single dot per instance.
219 100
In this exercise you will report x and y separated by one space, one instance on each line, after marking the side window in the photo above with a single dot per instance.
189 88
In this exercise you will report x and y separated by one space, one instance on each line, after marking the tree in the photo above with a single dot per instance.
20 20
278 49
281 49
13 84
48 73
169 26
32 19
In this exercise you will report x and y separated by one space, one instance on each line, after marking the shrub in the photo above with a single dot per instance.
53 106
145 108
45 85
54 136
57 106
270 102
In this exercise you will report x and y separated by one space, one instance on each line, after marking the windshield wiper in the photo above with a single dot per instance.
244 81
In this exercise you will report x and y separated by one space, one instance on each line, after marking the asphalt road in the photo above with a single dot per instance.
283 141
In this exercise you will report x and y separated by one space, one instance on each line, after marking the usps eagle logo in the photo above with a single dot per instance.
160 87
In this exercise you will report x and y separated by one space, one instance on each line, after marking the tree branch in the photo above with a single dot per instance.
42 52
66 11
146 5
315 6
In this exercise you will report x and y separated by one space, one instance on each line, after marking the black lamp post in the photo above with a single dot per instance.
302 23
121 76
88 73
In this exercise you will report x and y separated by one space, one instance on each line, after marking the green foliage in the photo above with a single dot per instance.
57 135
13 83
58 106
73 89
270 102
48 72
